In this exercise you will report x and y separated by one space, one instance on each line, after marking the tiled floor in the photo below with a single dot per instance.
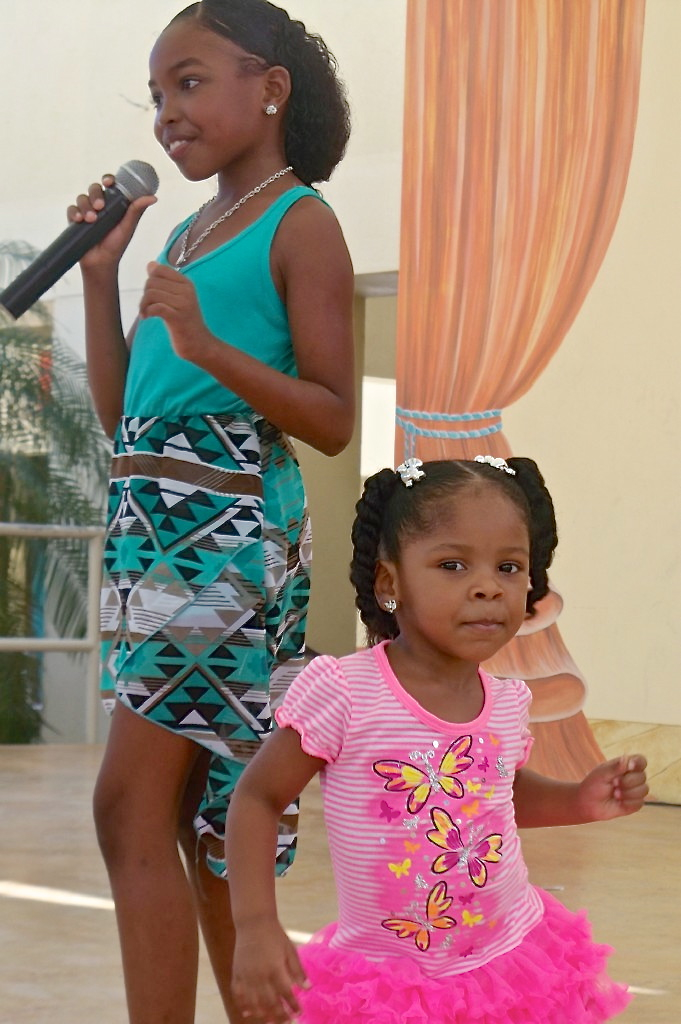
59 961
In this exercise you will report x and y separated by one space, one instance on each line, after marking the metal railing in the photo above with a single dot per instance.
94 535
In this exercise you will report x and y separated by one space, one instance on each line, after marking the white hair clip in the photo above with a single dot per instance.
410 471
496 463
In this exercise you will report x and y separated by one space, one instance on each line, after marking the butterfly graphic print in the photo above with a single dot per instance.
387 811
437 905
475 855
419 783
401 868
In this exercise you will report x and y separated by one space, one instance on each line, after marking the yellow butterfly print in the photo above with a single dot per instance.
470 920
437 905
403 777
475 855
473 787
470 810
490 793
411 847
401 869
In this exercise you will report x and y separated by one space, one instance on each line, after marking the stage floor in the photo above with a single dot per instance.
59 960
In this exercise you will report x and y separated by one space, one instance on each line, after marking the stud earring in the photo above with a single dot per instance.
270 109
390 605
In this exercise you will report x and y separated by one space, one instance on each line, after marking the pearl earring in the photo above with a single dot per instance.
270 109
390 605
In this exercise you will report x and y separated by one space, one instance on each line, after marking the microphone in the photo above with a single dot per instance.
133 180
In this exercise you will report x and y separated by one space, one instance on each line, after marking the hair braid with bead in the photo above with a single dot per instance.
367 539
542 525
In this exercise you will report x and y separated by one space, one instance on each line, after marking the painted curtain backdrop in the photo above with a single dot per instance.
519 127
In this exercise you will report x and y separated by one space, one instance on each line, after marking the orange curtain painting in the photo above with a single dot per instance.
519 127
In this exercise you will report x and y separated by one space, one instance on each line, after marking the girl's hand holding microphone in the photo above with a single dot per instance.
111 211
86 210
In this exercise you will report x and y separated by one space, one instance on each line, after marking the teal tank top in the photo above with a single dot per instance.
240 305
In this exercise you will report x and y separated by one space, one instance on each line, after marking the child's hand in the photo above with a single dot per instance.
265 969
614 789
172 296
115 242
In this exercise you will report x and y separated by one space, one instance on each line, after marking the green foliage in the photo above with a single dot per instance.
53 469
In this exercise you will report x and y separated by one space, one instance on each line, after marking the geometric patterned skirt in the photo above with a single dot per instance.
205 591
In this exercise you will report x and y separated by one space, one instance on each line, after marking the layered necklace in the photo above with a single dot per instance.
186 250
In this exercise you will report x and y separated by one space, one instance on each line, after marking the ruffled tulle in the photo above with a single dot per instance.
555 976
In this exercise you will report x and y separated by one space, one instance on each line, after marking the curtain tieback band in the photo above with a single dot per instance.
412 431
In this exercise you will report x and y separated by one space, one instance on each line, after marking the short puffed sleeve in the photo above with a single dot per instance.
524 695
318 707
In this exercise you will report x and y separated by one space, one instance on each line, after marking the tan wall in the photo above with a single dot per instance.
332 486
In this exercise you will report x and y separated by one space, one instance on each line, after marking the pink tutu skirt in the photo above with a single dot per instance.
555 976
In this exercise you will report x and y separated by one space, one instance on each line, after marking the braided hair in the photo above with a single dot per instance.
317 118
389 514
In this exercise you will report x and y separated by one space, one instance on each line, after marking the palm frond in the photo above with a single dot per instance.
15 256
54 460
65 587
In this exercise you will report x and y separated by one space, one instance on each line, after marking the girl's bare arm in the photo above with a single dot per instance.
105 343
266 966
312 269
611 790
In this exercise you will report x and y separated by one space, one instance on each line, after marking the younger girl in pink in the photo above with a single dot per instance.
422 757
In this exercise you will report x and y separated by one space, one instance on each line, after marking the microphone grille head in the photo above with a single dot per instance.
136 179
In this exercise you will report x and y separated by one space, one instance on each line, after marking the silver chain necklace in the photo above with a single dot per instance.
186 250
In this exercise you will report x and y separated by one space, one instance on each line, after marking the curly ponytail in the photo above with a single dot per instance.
317 125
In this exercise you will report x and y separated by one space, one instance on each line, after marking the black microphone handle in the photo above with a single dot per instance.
62 254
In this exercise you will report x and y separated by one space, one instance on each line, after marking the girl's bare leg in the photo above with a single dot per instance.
137 801
211 894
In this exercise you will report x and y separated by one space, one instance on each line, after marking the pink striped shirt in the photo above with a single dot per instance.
419 813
